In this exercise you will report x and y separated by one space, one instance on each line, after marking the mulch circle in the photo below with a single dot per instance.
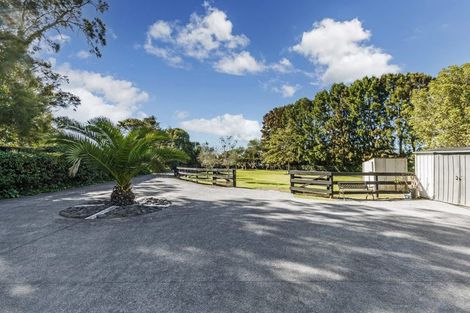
145 206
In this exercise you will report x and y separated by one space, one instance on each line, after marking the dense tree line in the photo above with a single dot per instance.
346 124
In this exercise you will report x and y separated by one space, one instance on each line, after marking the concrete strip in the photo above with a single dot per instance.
86 205
102 212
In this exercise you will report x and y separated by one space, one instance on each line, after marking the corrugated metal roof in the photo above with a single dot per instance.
460 150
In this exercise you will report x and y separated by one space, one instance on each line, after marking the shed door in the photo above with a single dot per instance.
447 178
454 165
465 179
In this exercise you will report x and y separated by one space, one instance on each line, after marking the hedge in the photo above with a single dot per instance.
27 173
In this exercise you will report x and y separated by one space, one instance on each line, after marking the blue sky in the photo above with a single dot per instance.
215 68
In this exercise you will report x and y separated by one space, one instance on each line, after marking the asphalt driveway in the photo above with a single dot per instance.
234 250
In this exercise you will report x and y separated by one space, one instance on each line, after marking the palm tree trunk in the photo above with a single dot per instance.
122 195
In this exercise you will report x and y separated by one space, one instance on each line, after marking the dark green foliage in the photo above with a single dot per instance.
123 155
27 173
132 123
250 157
29 88
442 112
345 125
179 139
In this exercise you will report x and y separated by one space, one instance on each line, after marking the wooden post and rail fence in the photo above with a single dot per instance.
333 183
314 182
215 176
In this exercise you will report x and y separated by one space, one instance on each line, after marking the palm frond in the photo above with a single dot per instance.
123 155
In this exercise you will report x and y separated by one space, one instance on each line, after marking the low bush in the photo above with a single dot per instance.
27 173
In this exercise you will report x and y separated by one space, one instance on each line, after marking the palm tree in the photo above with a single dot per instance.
122 154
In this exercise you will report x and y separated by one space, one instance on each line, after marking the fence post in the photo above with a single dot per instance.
234 178
331 186
292 184
214 179
376 178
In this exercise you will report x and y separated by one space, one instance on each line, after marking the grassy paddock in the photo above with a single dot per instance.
280 180
263 179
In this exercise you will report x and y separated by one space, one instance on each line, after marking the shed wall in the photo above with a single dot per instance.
444 177
424 170
465 183
385 165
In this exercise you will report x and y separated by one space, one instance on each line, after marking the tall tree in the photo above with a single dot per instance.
228 154
279 150
370 128
400 88
251 155
180 139
273 120
30 89
28 25
442 113
207 156
339 127
147 122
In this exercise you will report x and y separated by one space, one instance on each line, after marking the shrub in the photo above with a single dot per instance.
27 173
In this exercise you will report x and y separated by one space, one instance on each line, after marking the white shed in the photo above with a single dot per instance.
385 165
444 174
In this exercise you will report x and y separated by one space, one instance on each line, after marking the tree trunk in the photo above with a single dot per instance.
400 145
122 196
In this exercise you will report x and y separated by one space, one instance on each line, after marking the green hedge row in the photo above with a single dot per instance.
27 173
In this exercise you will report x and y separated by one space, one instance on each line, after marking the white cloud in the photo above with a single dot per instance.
287 90
239 64
283 66
205 37
101 95
60 38
200 37
166 54
82 54
44 46
340 48
181 115
225 125
205 34
160 30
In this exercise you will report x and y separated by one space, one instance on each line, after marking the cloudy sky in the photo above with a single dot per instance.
215 68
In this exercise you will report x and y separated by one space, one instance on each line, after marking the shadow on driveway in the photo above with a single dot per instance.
235 250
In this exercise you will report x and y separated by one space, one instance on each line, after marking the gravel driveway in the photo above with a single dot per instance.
234 250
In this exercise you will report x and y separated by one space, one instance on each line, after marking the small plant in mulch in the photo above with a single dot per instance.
144 206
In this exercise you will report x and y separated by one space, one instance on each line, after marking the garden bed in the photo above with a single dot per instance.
93 209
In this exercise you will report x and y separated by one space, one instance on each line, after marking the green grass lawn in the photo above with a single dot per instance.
279 180
263 179
273 179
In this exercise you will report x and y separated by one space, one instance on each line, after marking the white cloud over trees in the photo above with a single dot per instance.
340 48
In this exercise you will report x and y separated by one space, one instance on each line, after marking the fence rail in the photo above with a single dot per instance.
326 183
214 176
